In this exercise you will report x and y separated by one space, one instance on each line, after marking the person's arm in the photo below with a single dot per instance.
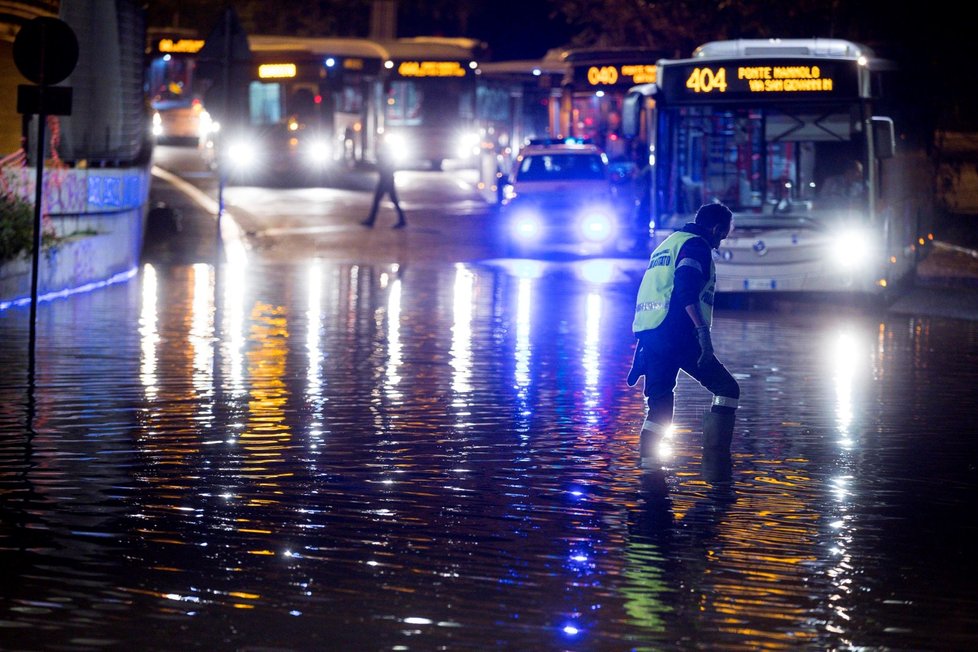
691 271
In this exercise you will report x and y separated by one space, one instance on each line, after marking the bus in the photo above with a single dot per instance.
311 105
575 93
594 87
517 101
799 138
428 98
315 103
178 113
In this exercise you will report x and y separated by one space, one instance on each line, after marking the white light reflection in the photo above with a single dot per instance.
394 357
597 271
417 621
850 358
202 329
149 335
462 330
524 295
314 352
592 336
234 277
314 329
845 361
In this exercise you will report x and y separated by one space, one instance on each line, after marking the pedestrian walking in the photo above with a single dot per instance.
673 316
385 186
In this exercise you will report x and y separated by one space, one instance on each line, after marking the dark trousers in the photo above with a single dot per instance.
661 362
386 187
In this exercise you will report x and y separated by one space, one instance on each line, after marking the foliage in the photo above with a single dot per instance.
17 228
309 18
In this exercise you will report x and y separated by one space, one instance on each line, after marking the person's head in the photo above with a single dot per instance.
854 171
717 219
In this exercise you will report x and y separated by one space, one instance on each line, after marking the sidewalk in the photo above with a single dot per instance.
179 231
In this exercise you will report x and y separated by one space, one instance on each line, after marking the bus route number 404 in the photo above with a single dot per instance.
704 80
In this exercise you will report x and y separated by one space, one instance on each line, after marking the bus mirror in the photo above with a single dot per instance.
883 137
631 114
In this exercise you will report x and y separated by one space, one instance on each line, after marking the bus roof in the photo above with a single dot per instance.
352 47
598 55
434 47
811 47
524 68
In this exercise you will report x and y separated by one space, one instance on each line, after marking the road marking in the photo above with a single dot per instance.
231 233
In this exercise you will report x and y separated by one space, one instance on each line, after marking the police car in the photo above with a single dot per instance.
561 196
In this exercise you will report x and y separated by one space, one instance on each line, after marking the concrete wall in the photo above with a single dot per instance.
99 216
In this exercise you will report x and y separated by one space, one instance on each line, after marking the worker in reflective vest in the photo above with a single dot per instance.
673 316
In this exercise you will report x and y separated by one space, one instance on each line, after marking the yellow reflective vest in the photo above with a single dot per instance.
659 281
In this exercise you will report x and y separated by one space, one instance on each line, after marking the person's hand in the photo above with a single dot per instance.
706 345
638 365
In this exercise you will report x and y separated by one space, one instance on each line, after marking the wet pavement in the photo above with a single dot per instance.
318 454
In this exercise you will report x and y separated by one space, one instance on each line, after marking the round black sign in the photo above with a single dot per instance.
46 50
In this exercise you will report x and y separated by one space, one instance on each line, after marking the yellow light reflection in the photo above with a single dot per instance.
266 436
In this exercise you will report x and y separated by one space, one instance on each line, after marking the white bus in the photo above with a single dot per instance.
428 99
770 128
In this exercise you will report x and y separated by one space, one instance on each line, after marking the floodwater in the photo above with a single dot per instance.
365 457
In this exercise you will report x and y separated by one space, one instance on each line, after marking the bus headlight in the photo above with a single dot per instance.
596 224
468 145
242 155
398 147
853 248
318 152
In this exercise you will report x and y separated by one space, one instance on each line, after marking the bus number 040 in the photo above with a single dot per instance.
704 80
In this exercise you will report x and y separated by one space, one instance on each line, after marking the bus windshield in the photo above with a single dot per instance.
771 166
431 102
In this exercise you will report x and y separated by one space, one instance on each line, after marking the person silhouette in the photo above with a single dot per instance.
385 186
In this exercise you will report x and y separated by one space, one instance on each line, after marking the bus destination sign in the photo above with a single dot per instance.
430 69
182 45
761 79
628 74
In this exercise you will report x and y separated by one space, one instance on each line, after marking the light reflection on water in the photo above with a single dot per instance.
367 457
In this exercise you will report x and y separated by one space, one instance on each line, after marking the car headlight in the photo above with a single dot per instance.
157 124
596 224
525 225
206 126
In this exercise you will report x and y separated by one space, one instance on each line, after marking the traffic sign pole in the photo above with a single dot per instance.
46 53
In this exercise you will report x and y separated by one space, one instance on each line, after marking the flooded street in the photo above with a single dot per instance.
323 455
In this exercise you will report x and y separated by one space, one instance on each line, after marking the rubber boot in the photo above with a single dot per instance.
648 443
718 430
